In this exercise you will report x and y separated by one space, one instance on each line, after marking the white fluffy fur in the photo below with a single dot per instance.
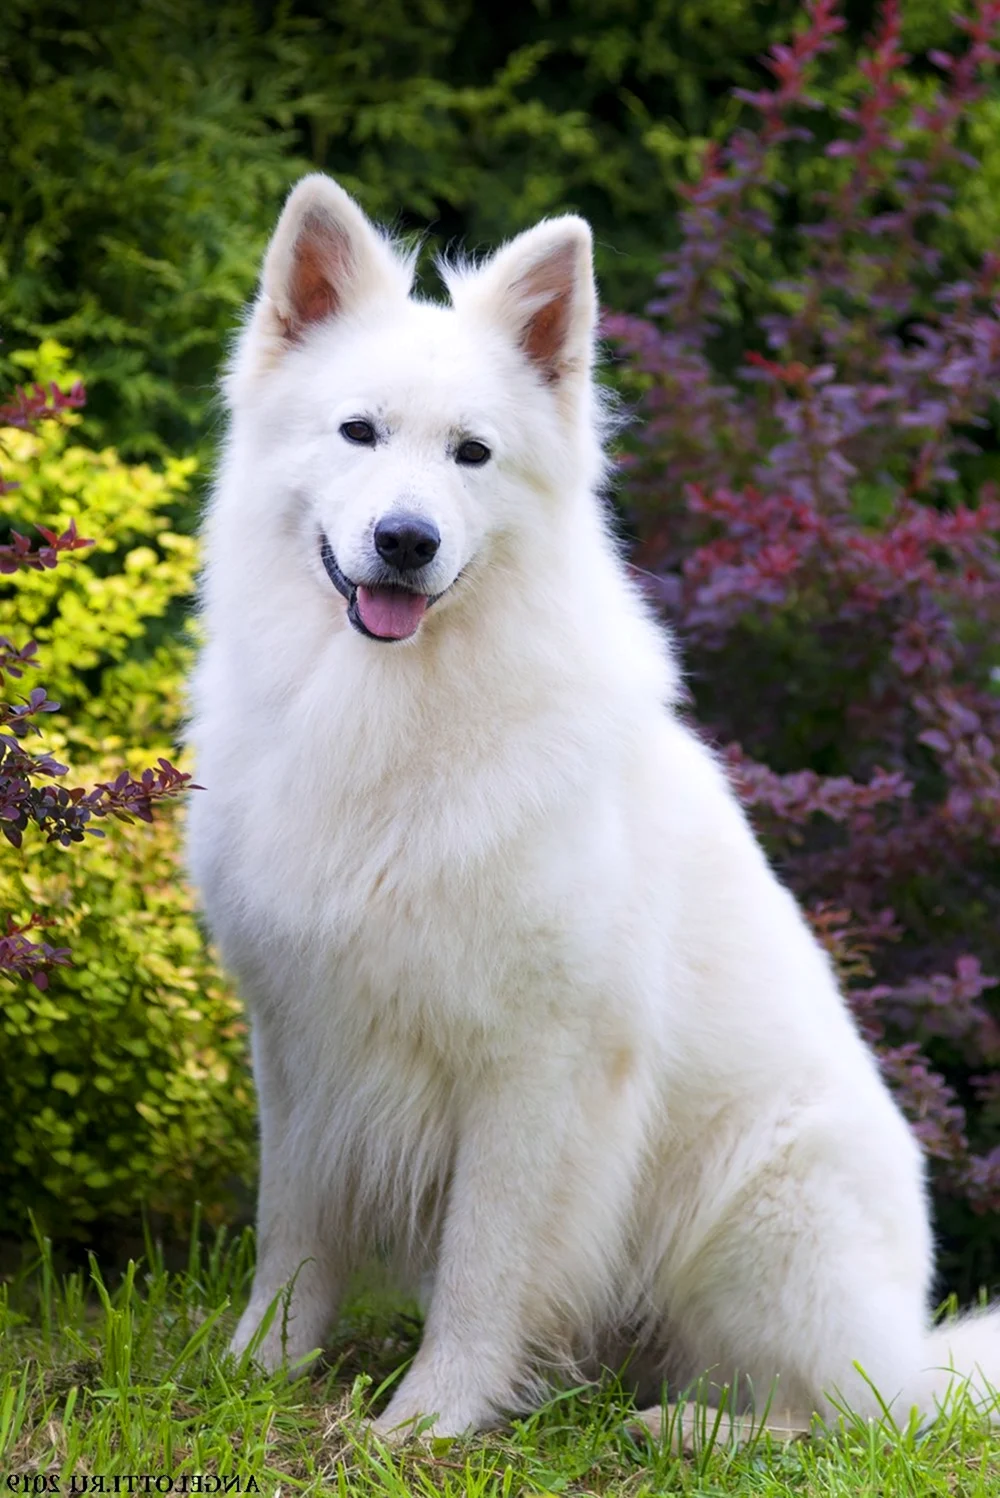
530 1009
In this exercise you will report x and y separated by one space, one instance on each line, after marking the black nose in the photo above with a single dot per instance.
406 542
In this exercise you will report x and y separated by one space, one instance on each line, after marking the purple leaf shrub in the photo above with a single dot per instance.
32 794
812 492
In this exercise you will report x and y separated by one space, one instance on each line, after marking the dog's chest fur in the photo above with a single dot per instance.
445 881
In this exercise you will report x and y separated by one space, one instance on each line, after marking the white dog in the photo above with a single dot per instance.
530 1010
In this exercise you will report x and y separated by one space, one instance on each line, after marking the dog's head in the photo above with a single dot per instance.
408 439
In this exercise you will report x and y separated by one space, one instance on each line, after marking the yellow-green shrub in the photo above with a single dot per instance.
125 1082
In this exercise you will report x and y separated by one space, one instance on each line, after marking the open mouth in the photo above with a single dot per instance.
388 612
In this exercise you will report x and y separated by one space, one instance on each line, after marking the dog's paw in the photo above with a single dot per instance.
422 1430
398 1432
405 1420
691 1428
276 1349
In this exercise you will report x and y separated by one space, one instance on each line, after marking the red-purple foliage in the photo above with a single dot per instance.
24 958
811 495
29 793
21 551
27 409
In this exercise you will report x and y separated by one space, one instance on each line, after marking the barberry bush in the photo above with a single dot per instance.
121 1047
813 496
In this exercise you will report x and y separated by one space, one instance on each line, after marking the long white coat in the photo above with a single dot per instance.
530 1009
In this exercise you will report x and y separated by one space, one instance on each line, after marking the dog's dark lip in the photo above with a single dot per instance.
333 572
349 590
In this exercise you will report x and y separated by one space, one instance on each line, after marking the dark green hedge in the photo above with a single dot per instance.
147 145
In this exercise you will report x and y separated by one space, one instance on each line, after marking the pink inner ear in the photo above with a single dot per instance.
546 331
321 263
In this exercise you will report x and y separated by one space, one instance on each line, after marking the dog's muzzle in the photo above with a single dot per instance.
385 612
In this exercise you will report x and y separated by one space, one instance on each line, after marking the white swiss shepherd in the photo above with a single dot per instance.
530 1010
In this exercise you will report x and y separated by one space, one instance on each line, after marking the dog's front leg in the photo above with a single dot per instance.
298 1263
532 1239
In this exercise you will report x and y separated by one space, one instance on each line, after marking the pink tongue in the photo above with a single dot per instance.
390 613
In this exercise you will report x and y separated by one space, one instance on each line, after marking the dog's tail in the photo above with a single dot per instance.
961 1355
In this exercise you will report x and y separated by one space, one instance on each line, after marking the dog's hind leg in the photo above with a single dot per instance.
807 1294
532 1240
296 1253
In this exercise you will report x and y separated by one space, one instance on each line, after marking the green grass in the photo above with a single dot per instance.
98 1381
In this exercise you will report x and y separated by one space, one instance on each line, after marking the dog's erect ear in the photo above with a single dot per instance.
326 258
540 287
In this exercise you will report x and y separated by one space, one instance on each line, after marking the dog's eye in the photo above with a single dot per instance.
361 432
472 453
